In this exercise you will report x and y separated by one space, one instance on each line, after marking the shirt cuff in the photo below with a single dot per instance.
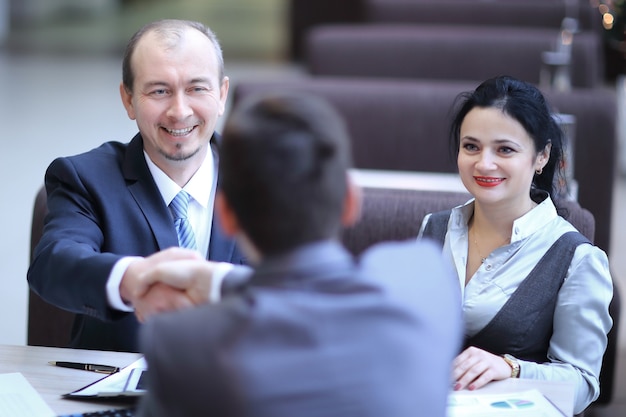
113 284
220 271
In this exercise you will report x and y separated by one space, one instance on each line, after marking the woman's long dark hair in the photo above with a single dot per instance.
523 102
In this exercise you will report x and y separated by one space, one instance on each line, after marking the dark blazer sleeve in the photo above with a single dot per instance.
97 215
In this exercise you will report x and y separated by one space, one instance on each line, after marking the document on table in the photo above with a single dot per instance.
19 399
114 385
531 403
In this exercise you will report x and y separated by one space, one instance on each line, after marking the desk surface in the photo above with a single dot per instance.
52 381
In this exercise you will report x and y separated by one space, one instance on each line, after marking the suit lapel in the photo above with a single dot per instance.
145 192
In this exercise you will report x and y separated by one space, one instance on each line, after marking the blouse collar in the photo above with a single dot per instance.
536 219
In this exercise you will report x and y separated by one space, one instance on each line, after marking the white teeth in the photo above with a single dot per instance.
179 132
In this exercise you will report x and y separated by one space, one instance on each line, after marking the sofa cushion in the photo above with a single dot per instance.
396 214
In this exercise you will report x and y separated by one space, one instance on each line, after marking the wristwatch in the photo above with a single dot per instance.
513 363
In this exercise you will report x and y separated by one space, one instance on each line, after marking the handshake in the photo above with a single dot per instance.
168 280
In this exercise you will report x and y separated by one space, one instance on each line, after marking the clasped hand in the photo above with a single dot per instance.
474 368
171 279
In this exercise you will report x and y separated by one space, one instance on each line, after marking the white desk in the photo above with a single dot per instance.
52 381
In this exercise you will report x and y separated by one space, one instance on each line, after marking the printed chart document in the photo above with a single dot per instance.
114 385
531 403
19 399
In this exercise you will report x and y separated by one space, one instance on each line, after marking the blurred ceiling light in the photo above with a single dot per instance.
608 20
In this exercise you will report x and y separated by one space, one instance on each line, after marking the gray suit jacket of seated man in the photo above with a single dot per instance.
313 333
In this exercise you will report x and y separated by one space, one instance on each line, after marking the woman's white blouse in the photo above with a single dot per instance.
581 318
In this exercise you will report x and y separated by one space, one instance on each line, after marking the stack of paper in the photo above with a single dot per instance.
19 399
529 403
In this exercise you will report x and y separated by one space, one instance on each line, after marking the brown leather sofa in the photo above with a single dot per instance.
390 214
447 52
510 13
47 324
306 14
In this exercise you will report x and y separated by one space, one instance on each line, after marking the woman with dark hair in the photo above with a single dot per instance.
535 291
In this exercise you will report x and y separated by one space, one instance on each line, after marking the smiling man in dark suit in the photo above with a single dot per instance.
109 218
312 332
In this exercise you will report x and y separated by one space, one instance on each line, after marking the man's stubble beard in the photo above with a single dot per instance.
179 156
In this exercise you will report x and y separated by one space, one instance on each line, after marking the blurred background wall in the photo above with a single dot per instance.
249 29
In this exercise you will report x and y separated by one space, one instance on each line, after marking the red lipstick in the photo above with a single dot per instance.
488 181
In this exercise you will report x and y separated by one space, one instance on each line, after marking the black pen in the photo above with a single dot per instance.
101 369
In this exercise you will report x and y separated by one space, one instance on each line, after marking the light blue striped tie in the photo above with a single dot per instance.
178 207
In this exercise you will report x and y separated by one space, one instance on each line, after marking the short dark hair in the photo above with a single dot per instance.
523 102
283 167
169 29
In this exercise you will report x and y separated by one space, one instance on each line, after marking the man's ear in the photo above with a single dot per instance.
228 219
127 101
223 95
352 203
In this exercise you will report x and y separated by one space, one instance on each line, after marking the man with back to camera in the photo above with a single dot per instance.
109 217
312 332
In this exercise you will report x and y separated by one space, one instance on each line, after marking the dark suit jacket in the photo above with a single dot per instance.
103 205
313 334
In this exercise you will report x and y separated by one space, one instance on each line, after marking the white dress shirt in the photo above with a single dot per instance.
200 214
581 318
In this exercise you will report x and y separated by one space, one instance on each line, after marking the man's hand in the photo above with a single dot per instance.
147 296
172 279
190 276
175 285
160 298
